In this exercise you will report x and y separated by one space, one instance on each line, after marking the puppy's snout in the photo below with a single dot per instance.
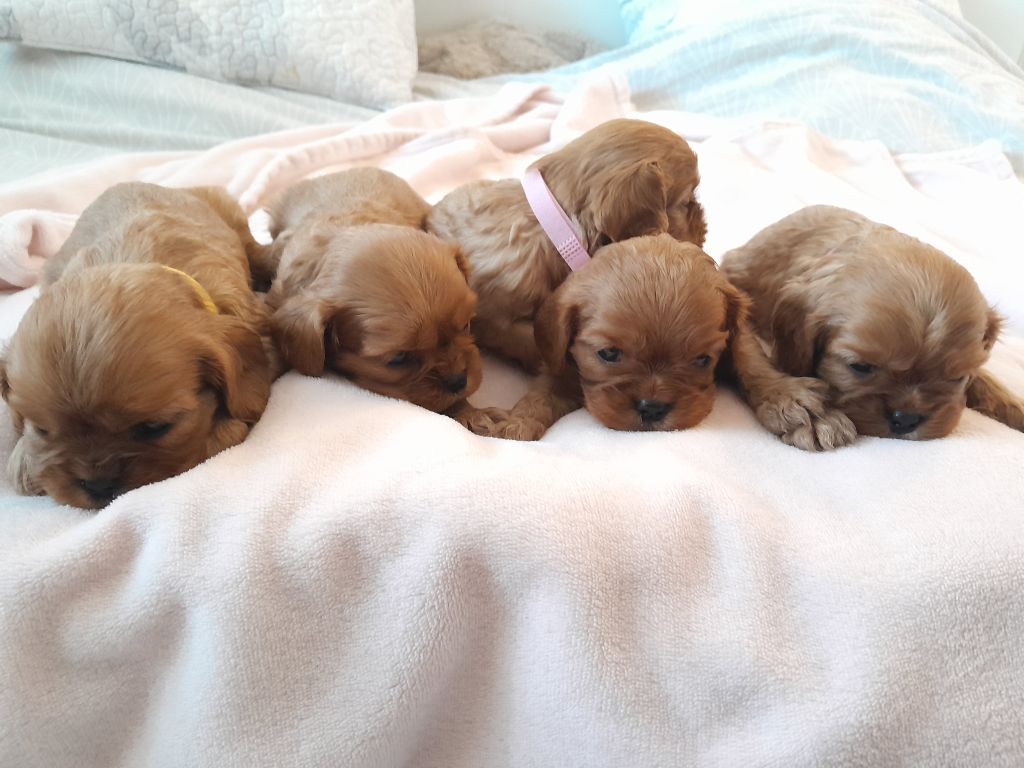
455 383
101 490
905 422
652 411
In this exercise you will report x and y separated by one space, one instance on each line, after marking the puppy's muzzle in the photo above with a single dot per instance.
101 490
455 383
905 422
652 411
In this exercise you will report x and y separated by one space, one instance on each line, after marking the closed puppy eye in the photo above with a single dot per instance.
150 431
961 380
862 369
400 360
702 362
610 354
40 431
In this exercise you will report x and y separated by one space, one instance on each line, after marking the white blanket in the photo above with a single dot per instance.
363 583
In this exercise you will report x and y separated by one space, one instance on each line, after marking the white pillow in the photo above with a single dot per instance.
359 51
643 18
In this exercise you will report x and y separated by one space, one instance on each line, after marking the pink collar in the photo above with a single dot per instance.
554 221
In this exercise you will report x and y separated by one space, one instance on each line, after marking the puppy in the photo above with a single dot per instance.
144 354
623 179
352 197
637 336
895 330
363 290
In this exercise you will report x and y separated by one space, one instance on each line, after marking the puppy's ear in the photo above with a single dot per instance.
299 326
992 329
695 222
737 308
799 334
462 263
555 327
235 364
633 205
306 330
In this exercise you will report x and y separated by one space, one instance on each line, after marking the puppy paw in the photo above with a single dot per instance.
497 422
480 421
798 414
19 473
1015 416
523 428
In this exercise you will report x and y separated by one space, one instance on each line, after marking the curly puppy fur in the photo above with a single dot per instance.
119 375
620 180
895 330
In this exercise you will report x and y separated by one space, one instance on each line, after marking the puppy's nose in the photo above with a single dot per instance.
102 490
904 422
652 410
455 383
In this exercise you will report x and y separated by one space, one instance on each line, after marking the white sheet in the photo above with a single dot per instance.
363 583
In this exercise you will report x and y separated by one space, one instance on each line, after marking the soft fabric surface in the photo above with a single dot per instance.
60 108
905 72
898 71
489 48
363 51
363 583
644 18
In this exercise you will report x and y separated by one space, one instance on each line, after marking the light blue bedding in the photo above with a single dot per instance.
58 108
903 72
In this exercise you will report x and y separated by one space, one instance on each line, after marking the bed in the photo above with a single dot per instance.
364 583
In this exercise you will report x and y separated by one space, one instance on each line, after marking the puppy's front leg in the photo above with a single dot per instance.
547 400
480 421
544 404
794 408
986 395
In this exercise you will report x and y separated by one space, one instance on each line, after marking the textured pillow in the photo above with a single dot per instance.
360 51
643 18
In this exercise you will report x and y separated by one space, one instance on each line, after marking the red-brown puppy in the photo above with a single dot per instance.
623 179
362 290
896 330
144 354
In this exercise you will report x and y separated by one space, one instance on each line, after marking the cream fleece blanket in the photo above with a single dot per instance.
363 583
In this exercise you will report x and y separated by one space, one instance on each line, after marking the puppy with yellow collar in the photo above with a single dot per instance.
147 350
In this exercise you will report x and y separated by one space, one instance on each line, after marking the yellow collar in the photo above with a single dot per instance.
201 292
